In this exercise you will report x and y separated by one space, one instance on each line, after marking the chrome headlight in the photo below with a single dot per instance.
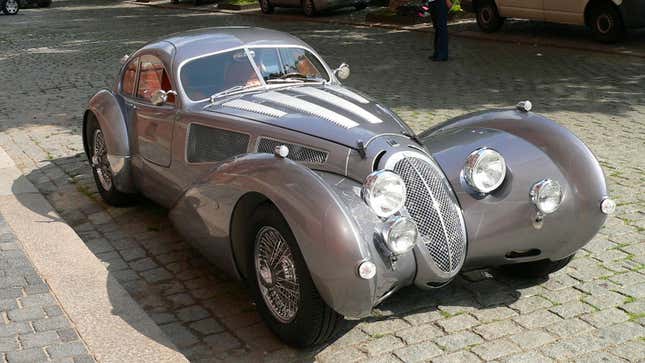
384 191
485 170
400 234
546 195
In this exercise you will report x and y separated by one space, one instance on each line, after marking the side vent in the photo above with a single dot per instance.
296 152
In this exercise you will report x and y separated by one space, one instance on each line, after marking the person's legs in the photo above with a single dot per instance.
433 16
441 30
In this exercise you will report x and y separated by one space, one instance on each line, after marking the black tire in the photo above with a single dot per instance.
266 7
537 268
360 6
314 322
606 23
309 8
44 3
10 7
109 193
488 18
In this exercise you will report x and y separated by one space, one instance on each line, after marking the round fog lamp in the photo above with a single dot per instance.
367 270
608 206
485 170
546 195
384 191
400 234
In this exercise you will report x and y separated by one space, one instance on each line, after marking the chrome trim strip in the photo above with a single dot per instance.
345 92
349 152
339 102
303 106
249 106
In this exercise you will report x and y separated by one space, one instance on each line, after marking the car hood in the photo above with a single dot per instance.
331 112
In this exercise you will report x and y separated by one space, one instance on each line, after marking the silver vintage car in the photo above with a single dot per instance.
321 198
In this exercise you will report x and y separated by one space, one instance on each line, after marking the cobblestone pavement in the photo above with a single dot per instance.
33 328
52 60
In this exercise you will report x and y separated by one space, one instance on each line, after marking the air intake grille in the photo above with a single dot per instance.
437 215
296 152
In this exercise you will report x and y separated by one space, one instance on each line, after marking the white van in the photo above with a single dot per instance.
607 19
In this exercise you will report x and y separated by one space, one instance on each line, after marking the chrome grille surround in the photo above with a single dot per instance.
433 206
296 152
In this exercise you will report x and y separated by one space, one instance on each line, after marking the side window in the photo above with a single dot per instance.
208 144
130 77
153 77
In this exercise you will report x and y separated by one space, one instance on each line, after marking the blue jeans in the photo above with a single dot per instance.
439 15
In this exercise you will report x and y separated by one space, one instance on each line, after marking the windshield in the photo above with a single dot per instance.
233 70
286 63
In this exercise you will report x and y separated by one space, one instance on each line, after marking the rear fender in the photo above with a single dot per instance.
108 110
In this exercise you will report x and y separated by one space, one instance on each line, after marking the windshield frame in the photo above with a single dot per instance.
263 85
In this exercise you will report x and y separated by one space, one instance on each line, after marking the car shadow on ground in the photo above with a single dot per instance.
206 313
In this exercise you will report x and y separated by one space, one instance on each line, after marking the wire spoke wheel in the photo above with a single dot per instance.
276 274
100 161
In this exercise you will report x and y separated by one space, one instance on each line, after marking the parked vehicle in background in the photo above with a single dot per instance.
607 19
311 7
9 7
35 3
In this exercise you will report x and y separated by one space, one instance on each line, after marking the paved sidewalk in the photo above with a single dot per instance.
34 327
59 303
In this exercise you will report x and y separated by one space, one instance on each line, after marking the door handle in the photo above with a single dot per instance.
132 105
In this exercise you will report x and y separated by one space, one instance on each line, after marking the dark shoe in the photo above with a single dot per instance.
439 59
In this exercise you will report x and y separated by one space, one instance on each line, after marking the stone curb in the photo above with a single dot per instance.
110 322
511 39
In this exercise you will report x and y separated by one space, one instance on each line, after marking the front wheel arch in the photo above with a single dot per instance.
89 115
240 234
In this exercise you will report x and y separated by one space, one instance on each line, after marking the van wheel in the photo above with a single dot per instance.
309 8
606 23
266 7
488 18
536 268
360 5
281 285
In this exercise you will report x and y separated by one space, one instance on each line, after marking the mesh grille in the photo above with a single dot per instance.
437 216
296 152
208 144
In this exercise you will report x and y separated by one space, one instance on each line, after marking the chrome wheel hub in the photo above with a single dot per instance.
604 23
12 6
276 274
487 14
100 161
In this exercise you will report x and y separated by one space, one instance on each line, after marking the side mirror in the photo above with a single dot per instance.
159 97
342 72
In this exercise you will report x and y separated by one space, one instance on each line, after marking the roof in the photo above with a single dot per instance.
210 40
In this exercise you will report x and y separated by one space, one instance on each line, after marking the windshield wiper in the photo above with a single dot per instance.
229 91
284 80
294 79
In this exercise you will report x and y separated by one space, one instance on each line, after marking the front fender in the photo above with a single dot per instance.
534 148
108 110
333 231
